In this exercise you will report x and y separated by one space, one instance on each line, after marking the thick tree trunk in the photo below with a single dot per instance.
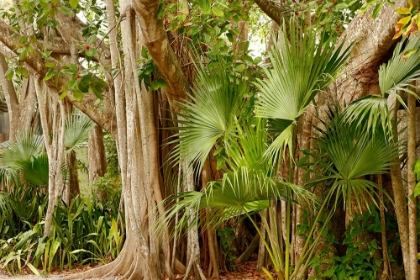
96 154
20 105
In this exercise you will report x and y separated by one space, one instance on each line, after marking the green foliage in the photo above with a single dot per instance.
348 153
77 129
23 157
416 169
106 192
402 69
360 261
111 156
227 238
81 233
209 117
6 213
301 68
148 72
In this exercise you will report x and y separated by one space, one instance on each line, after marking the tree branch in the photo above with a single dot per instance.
36 63
158 45
272 9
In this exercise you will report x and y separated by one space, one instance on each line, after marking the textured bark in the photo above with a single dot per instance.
157 43
386 270
144 256
400 204
11 98
303 139
372 39
20 105
211 233
55 149
272 9
96 154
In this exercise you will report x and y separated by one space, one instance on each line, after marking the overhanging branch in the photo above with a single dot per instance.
36 63
272 9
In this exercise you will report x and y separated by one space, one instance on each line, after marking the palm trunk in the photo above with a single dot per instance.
400 204
411 180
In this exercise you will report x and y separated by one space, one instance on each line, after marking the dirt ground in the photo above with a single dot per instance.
244 272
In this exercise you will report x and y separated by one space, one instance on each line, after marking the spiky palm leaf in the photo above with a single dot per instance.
13 157
241 191
301 68
369 112
6 211
77 129
354 152
209 117
248 147
394 76
402 69
26 146
36 171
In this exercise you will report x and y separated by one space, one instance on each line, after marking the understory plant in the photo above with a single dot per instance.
249 128
251 136
81 233
360 260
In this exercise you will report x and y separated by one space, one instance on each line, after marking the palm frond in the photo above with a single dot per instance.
27 145
369 112
239 192
402 69
6 206
363 192
77 129
349 152
209 116
301 68
36 171
248 147
355 151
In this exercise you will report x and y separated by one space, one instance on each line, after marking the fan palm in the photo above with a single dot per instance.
348 152
26 156
77 129
208 117
301 67
13 158
352 152
394 76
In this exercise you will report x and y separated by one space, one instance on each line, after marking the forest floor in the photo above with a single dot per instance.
244 272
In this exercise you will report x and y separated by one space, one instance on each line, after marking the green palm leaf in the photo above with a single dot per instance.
6 211
248 147
353 152
369 112
17 154
36 171
301 68
77 129
402 69
210 115
27 145
239 192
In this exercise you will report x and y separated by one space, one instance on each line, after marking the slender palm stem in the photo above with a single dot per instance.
288 214
305 257
270 252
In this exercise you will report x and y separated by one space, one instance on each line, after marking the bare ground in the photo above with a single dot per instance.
244 272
